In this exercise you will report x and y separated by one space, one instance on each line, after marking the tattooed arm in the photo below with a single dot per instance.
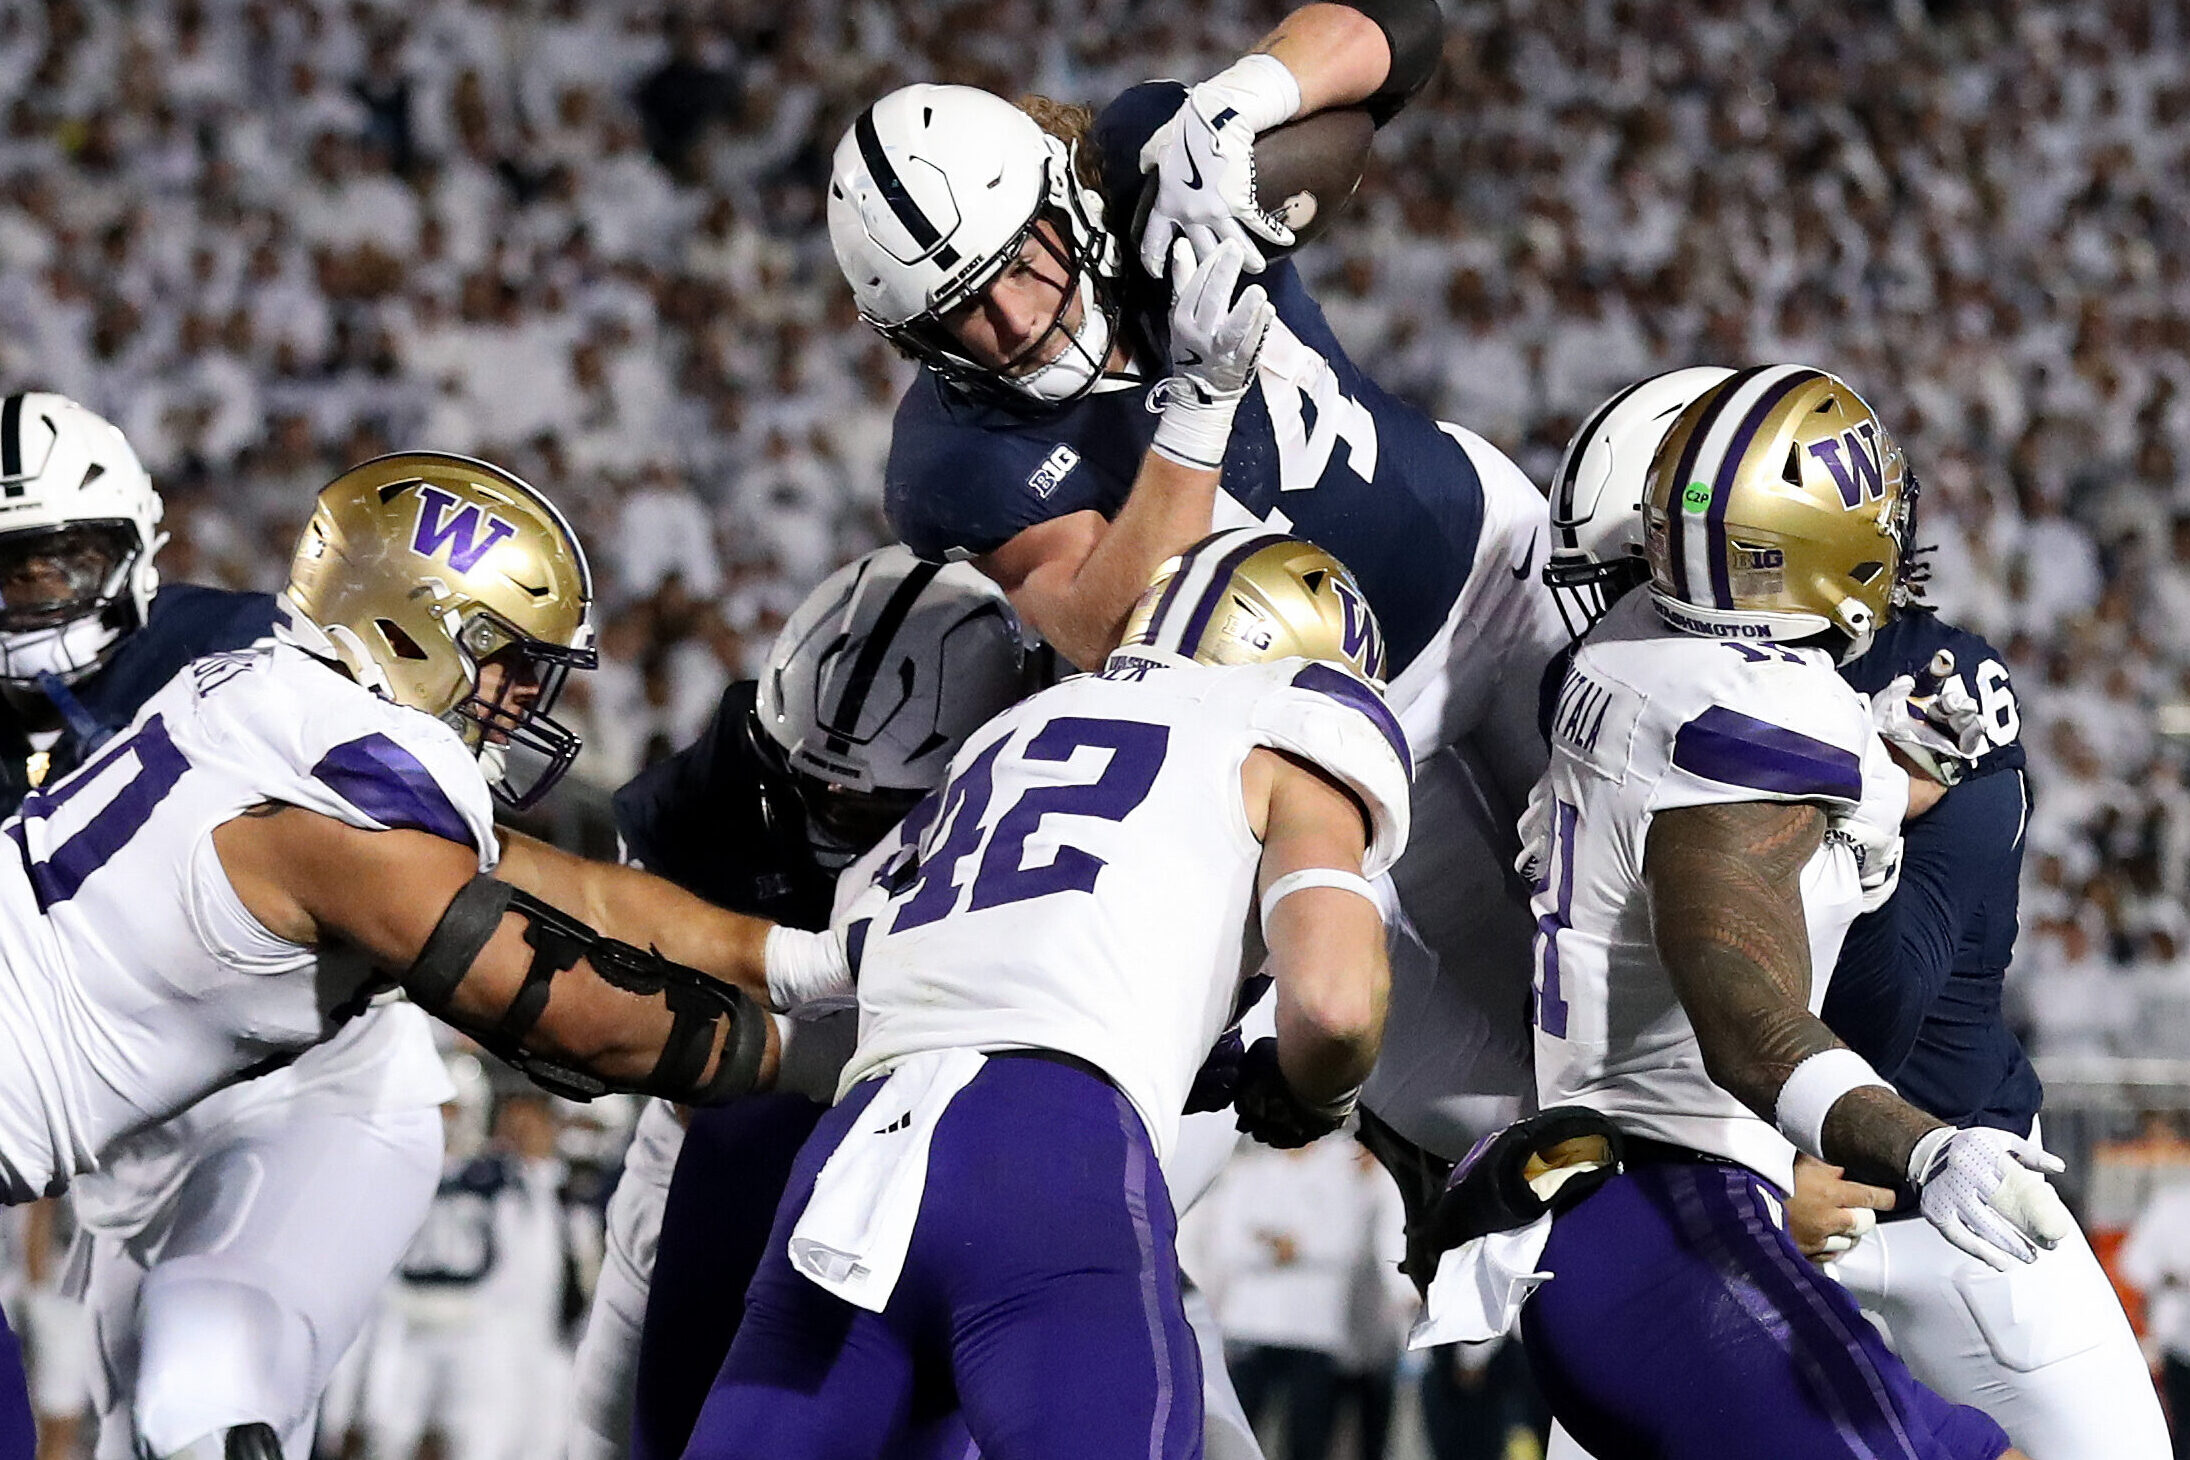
1726 914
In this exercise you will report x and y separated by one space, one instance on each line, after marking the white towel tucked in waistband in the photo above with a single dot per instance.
854 1233
1481 1285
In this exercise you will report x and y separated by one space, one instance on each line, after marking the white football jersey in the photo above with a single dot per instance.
1085 878
133 981
1647 720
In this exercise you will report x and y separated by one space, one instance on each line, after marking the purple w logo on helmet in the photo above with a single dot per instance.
1358 637
460 534
1861 476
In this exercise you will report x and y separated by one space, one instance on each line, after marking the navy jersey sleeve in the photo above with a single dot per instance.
1906 646
963 480
1896 961
1122 130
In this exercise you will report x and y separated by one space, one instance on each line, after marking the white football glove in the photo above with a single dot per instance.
1983 1190
1942 732
1204 161
1215 340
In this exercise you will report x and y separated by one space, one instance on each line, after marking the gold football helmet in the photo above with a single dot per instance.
1249 595
1779 508
419 570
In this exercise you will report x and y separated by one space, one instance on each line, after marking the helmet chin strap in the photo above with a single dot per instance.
63 654
1081 360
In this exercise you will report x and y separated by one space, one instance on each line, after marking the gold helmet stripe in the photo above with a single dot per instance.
1710 460
1193 595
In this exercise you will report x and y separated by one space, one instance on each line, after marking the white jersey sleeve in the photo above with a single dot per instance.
327 746
1339 724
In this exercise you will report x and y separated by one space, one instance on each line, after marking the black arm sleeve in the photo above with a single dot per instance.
1415 31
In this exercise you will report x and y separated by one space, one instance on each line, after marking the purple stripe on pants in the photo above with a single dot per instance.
1681 1324
1040 1297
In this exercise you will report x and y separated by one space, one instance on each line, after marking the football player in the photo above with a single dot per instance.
286 829
1718 810
2043 1348
871 686
277 1208
983 1223
1076 421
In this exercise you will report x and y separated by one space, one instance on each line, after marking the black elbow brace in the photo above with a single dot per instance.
1415 31
697 1003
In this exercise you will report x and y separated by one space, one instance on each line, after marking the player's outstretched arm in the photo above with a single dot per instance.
1726 915
1075 578
1325 935
1373 52
611 1011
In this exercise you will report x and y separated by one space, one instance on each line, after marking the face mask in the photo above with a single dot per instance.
1081 361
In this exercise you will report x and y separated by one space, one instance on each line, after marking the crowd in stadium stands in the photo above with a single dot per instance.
273 237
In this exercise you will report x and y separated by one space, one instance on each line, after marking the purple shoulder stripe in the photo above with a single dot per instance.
387 783
1348 690
1738 750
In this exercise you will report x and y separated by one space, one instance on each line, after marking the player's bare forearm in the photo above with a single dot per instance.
1075 578
1327 949
641 909
1726 914
1338 55
313 880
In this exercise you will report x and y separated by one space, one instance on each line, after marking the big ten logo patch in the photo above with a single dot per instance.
1053 470
1857 464
460 534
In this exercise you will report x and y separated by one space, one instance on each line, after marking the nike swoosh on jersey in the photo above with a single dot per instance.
1528 560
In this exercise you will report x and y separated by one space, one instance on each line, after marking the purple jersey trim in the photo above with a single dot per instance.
1738 750
1348 690
387 783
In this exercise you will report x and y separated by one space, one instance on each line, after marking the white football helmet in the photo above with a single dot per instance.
879 677
79 525
1597 497
932 192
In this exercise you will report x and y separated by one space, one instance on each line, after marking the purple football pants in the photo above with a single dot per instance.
1683 1324
1040 1298
18 1429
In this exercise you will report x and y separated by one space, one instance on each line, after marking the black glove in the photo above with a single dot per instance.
1270 1111
1489 1191
1218 1077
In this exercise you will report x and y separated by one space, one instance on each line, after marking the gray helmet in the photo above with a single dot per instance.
879 677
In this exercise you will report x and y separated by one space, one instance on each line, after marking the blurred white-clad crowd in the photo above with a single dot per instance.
583 237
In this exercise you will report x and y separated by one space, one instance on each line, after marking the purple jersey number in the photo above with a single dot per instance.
1136 755
158 766
1551 1004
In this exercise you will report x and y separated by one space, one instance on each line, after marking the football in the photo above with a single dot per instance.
1306 170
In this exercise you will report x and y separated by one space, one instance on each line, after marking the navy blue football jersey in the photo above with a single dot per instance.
185 622
721 818
1918 987
1319 448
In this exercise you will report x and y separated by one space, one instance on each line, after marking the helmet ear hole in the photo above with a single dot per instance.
1865 572
399 643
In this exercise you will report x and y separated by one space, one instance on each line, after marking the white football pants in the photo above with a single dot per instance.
233 1305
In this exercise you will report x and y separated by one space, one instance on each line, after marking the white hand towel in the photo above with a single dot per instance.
855 1231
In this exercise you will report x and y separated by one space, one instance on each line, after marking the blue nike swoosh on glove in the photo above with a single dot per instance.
1194 170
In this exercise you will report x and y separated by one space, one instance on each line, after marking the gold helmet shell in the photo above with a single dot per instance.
1249 595
1779 508
418 567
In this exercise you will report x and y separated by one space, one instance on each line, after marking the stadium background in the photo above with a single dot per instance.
273 237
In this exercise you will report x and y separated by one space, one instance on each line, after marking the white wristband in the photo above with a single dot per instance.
802 966
1194 432
1337 877
1260 87
1814 1089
